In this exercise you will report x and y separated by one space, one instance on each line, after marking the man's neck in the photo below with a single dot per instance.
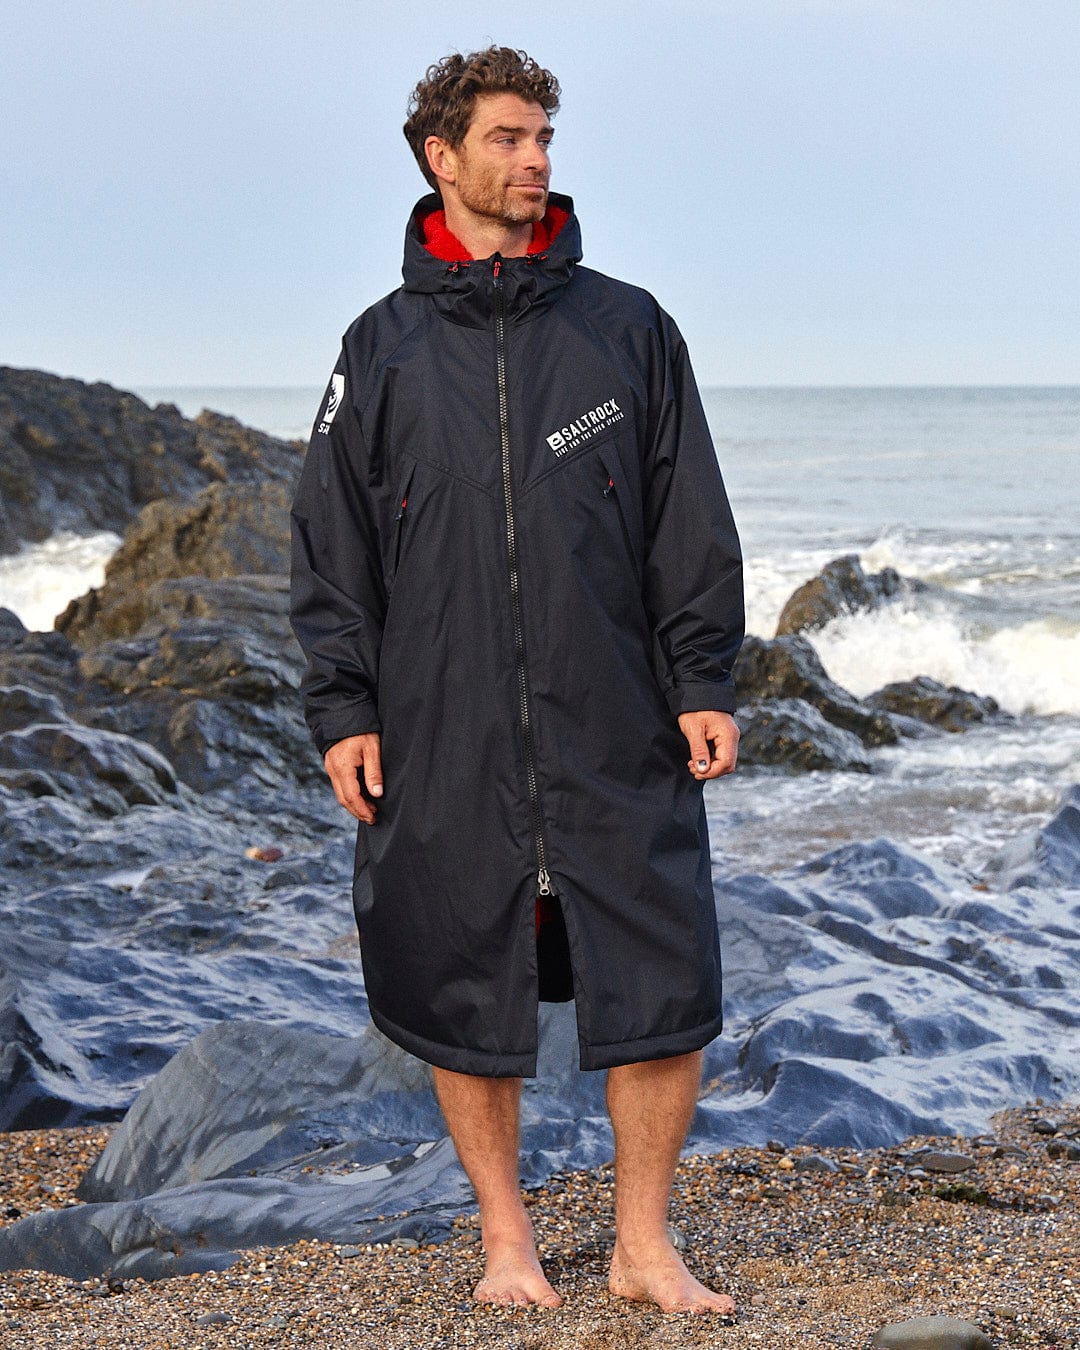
483 236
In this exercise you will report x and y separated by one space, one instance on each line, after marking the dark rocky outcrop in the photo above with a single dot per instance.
226 531
789 668
87 457
940 705
841 587
792 732
209 679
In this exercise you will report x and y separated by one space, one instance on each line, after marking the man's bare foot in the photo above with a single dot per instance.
513 1275
657 1275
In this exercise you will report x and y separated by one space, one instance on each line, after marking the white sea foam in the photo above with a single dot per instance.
1030 668
37 583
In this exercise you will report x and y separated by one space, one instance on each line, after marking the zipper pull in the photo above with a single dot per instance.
543 882
496 267
610 485
401 512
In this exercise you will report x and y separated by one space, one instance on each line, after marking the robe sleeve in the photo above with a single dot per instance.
338 598
692 580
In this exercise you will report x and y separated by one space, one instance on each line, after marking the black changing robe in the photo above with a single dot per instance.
514 558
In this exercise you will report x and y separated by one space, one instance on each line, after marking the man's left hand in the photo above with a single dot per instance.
713 738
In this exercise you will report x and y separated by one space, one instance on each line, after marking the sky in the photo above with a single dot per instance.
820 191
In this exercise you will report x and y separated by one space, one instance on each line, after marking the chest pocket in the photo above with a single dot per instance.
401 520
624 497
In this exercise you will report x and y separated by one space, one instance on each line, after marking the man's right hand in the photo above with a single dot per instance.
343 762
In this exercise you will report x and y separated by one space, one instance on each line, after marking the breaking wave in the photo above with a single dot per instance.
38 582
1033 667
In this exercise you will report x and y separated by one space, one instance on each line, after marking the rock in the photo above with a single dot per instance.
1064 1149
789 668
228 530
948 1161
791 732
931 1333
1046 857
1043 1126
88 457
105 772
213 1319
927 700
211 680
841 587
21 707
237 1098
815 1162
10 623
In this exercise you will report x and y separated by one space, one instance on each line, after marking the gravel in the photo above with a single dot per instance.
813 1257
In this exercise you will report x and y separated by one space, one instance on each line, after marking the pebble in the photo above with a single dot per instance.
775 1146
267 855
1062 1148
814 1162
405 1244
347 1253
932 1333
941 1160
1044 1126
212 1319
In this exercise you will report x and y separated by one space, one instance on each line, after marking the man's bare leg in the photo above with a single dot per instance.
651 1106
483 1116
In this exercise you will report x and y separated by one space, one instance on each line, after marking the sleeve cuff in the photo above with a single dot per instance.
713 697
359 720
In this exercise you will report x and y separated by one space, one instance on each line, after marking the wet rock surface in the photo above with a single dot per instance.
792 732
842 587
87 457
928 700
228 530
792 713
860 1010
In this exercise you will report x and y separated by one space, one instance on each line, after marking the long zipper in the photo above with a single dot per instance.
543 878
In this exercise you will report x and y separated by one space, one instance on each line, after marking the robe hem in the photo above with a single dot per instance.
458 1058
650 1047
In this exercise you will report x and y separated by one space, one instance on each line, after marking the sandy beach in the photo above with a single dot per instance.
815 1253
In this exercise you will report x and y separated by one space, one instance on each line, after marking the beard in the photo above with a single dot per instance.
484 192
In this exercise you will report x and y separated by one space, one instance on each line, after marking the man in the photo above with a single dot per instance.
518 585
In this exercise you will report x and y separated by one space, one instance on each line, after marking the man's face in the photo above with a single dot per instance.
503 165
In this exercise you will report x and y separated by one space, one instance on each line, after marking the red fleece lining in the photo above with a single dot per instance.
447 247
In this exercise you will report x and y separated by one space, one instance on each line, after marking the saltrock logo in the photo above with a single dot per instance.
333 401
584 427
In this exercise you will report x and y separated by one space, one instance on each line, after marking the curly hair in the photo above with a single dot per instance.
442 103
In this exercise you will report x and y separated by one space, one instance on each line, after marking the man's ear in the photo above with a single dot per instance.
442 159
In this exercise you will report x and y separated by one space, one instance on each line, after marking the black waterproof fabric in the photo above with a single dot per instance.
514 557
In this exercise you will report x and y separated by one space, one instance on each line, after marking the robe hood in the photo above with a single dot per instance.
461 287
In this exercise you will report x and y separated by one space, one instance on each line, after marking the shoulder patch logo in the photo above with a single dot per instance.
333 401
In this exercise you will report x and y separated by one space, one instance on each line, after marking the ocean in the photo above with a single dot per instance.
974 490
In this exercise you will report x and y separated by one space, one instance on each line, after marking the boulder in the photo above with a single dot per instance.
228 530
105 772
1045 858
928 700
792 732
789 668
841 587
88 457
